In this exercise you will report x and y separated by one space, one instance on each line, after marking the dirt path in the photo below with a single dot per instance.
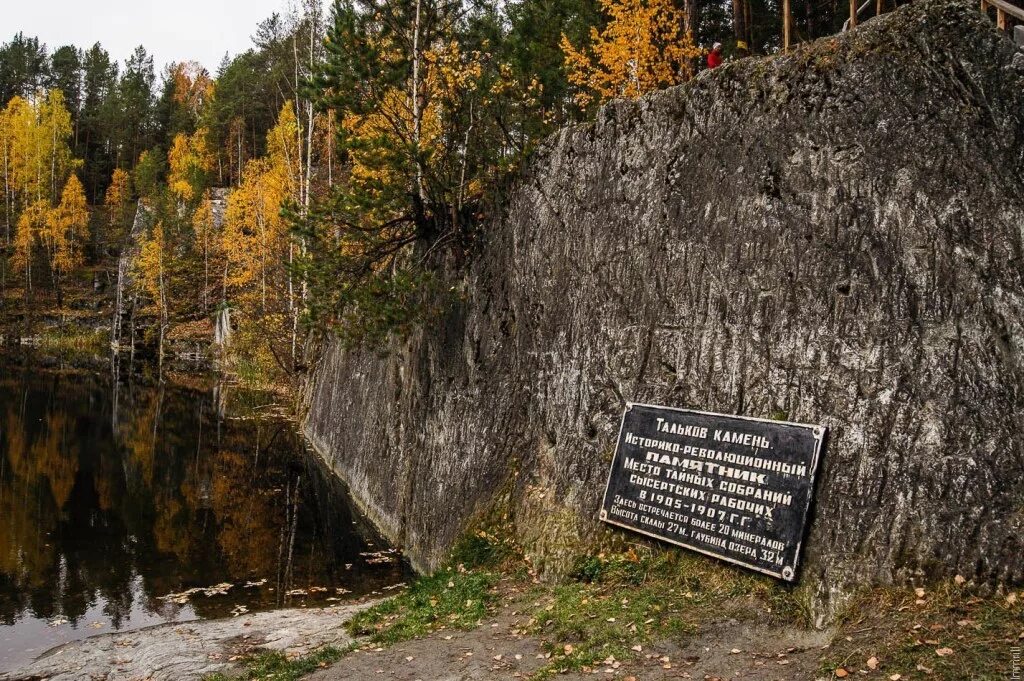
496 650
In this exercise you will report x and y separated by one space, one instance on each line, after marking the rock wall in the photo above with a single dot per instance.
833 236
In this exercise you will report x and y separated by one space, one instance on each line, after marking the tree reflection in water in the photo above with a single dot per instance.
112 495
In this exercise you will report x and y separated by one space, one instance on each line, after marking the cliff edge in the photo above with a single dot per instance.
832 237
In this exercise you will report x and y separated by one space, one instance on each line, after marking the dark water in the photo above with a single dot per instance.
115 495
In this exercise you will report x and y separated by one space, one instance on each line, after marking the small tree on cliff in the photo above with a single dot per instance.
643 48
118 202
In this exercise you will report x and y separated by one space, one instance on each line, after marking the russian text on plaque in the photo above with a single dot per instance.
732 487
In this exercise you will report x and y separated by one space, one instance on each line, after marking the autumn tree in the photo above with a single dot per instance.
36 161
151 267
31 222
189 164
64 233
208 241
188 89
118 202
148 172
420 131
642 48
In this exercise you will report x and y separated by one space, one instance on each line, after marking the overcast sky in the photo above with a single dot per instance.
171 30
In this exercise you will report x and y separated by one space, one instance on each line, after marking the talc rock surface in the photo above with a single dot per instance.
833 236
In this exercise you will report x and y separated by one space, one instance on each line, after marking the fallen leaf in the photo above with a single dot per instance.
872 662
959 579
1012 598
943 652
895 677
735 651
920 592
639 648
841 673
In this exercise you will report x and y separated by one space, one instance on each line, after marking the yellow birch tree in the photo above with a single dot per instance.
118 202
63 233
642 48
189 161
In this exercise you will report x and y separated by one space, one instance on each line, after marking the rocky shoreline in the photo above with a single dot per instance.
191 650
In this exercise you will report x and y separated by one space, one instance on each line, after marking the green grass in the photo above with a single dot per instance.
616 603
73 340
447 599
456 597
276 666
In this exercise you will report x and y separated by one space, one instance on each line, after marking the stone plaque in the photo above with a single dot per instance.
732 487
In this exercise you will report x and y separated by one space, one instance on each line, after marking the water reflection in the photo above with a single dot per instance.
114 495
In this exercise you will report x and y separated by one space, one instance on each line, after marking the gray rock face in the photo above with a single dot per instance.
834 236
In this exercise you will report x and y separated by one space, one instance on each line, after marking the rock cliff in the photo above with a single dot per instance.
833 236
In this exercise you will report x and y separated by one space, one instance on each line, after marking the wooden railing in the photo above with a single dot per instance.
1004 12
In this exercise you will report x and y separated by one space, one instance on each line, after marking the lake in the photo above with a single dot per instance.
128 504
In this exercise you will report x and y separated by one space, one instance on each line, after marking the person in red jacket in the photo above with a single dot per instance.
715 56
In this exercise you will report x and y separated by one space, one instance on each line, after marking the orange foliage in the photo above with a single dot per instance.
643 48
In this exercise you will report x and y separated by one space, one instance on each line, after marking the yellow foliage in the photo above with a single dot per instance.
150 267
283 145
255 241
193 86
642 48
118 198
255 236
31 221
66 228
34 138
189 160
210 244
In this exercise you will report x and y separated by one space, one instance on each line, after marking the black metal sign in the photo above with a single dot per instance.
732 487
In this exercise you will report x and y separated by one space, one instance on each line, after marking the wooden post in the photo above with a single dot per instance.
1000 19
787 22
984 6
878 8
853 13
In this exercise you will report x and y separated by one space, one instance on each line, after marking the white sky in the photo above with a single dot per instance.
171 30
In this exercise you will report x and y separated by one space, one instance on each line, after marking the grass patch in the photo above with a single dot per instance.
457 597
71 340
275 665
449 598
946 631
619 602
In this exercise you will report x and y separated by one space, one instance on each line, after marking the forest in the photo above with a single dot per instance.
311 182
